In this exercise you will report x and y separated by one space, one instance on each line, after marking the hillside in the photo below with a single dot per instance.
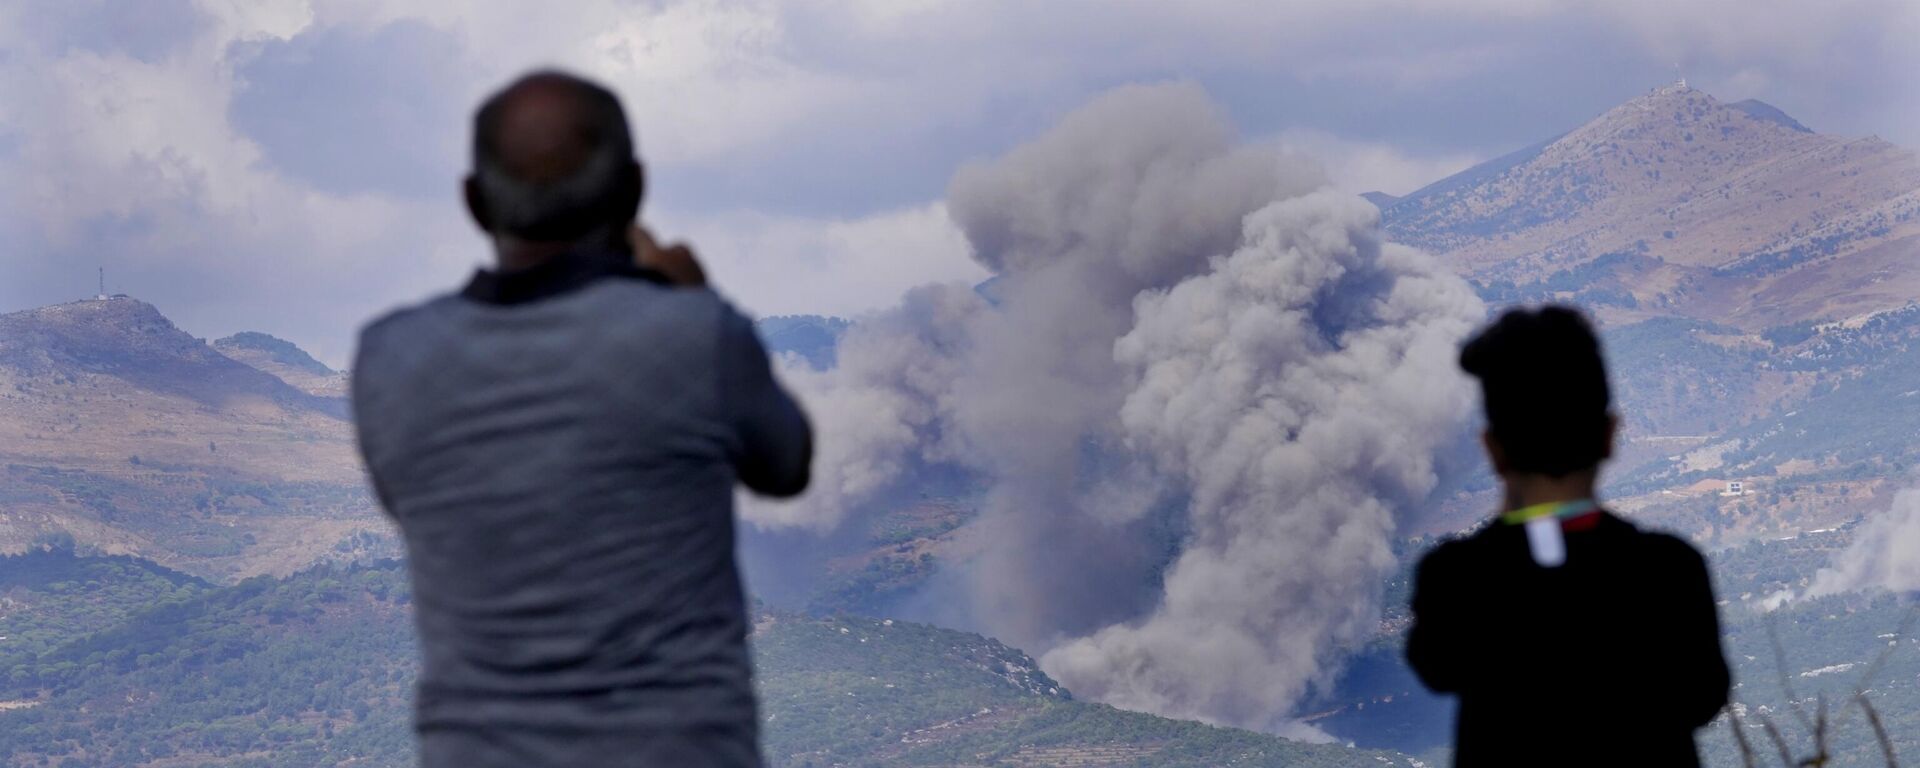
1676 204
128 664
316 670
50 596
313 670
284 361
128 435
1754 281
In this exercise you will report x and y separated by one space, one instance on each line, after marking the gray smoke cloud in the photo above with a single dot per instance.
881 409
1200 395
1131 193
1885 553
1301 390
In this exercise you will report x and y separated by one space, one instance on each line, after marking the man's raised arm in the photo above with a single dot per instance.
773 442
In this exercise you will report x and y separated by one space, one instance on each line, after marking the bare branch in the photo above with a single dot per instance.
1786 684
1779 741
1873 668
1740 737
1879 730
1819 735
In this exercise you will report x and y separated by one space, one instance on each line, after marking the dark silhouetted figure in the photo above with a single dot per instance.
559 444
1571 637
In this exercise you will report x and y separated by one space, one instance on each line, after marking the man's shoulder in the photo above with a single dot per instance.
646 311
401 321
696 298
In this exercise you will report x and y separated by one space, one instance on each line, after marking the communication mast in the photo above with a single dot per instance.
102 295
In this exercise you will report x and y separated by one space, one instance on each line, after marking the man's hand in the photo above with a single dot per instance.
675 261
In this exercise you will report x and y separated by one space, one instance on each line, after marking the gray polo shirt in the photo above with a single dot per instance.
559 448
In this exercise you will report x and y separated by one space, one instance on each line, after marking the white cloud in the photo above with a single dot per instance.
133 165
1363 166
804 140
1791 33
244 20
778 265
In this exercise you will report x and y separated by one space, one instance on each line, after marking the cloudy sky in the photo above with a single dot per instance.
292 165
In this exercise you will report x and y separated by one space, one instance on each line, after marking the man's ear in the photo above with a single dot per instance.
1613 436
476 203
1496 455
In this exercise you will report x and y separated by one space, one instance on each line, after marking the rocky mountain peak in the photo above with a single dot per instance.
1677 202
132 341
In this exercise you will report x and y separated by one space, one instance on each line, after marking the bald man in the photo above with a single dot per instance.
558 443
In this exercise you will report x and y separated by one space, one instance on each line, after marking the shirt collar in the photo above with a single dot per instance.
559 275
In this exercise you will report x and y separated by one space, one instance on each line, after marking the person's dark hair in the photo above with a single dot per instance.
579 176
1545 389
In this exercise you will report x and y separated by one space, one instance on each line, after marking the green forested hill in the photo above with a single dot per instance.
140 666
311 670
868 692
52 595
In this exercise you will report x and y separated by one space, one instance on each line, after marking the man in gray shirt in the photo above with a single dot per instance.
558 444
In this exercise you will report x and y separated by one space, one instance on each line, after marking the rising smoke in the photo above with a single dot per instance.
1301 390
1882 555
882 409
1200 394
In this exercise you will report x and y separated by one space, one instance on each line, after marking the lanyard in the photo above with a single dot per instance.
1556 509
1542 521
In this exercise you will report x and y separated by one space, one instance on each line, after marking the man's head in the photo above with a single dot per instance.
553 162
1549 410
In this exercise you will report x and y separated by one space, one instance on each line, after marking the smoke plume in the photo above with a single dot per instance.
881 409
1300 390
1885 553
1200 389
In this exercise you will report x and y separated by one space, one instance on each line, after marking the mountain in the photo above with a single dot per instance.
1677 204
130 341
129 436
1380 200
1755 285
317 669
284 361
1760 110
